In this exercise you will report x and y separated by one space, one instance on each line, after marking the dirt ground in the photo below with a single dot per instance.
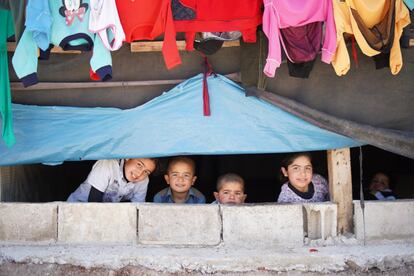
20 269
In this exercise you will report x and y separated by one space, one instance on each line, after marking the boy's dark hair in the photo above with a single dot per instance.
229 177
182 159
289 159
157 165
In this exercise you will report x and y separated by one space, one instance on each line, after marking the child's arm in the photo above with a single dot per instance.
95 195
99 179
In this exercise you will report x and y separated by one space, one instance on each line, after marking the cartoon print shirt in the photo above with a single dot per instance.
107 176
69 30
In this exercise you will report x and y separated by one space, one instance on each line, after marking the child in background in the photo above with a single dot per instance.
379 188
116 180
301 185
230 189
180 177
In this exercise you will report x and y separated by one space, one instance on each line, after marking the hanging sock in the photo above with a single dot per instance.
206 99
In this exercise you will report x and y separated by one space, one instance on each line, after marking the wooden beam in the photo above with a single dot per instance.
340 187
156 46
18 86
11 47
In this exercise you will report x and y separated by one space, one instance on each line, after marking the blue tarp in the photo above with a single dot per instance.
171 124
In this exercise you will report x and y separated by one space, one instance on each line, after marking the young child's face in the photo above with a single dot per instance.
299 173
230 193
379 182
180 177
138 169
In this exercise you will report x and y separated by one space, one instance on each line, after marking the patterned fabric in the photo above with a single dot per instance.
181 12
321 192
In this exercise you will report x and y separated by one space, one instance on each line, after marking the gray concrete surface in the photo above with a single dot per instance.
28 223
391 220
94 223
177 224
262 226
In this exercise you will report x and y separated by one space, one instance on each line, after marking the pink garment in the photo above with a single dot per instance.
279 14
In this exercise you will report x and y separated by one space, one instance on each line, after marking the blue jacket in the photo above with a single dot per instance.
194 196
68 28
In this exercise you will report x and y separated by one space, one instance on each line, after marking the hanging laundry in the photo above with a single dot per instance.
302 45
210 42
295 13
210 16
138 18
17 9
104 19
6 30
39 22
377 27
69 30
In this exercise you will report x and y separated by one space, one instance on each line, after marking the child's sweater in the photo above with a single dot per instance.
292 13
69 30
320 192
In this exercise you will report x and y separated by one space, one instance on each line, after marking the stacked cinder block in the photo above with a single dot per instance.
249 225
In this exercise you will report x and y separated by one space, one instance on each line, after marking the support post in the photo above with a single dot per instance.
340 187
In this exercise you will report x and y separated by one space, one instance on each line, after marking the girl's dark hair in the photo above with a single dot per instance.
288 160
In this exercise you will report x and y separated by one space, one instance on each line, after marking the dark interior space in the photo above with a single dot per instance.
44 183
399 169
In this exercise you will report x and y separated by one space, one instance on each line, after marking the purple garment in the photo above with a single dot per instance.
321 192
302 43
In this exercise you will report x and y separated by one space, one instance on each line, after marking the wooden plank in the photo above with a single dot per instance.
141 46
340 187
11 47
156 46
17 86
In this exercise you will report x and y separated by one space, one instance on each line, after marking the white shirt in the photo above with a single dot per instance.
107 176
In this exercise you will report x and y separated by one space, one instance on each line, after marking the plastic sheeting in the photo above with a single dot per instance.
171 124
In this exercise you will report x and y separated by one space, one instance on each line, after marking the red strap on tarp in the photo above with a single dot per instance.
354 51
206 99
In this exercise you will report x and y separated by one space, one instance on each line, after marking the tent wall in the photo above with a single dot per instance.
365 95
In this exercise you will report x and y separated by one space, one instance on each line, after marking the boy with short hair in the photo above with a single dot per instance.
115 181
180 177
230 189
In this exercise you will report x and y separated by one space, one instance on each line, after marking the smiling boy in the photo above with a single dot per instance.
116 180
180 177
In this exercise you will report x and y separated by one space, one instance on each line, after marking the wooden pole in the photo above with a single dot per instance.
340 187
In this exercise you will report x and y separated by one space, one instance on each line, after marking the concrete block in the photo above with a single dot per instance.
391 220
179 224
28 222
320 221
261 226
93 223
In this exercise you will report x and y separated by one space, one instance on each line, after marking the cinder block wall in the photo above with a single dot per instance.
391 220
146 224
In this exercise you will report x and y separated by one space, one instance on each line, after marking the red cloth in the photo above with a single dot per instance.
211 16
138 18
